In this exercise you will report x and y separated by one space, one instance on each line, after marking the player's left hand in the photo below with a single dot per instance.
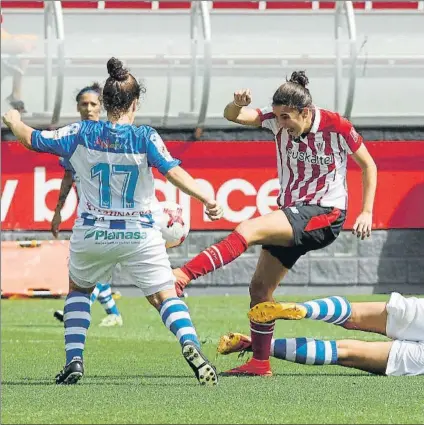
57 219
213 210
363 225
12 116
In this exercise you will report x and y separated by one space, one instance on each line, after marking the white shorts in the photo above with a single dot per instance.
96 250
120 277
405 325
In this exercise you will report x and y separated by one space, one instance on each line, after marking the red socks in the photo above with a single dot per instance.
261 334
216 256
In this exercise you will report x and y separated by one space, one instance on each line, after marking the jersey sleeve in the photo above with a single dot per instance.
158 155
268 119
350 139
61 142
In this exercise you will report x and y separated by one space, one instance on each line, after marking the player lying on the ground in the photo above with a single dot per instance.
88 106
117 216
401 319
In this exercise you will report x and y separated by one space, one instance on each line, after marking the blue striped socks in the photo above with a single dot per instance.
106 300
176 317
305 350
104 294
334 310
95 293
76 320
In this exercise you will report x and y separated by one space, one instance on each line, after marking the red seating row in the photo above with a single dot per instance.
216 4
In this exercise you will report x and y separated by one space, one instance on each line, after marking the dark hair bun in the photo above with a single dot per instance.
116 69
96 87
299 77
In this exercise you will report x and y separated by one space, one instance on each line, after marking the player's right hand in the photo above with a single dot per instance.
242 97
57 219
11 117
213 210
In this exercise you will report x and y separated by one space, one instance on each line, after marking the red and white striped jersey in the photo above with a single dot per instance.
312 169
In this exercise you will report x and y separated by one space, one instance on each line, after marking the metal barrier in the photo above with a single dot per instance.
351 24
196 63
53 12
202 7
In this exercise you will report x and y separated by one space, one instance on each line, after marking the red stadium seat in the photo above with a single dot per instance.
270 5
395 5
80 4
128 5
174 5
359 4
289 5
332 4
22 4
327 4
235 4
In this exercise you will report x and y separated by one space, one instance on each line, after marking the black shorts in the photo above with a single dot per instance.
314 227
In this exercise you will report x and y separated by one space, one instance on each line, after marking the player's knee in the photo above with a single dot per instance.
353 320
74 287
155 300
349 325
345 351
349 350
246 229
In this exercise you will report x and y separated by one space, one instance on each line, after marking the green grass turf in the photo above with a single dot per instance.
136 374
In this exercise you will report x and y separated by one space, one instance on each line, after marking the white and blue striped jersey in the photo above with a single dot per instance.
113 164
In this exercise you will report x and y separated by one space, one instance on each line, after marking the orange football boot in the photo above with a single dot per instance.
234 343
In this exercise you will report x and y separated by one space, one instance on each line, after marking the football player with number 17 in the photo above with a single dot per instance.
117 216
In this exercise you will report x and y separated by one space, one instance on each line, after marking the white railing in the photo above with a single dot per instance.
351 24
53 13
199 64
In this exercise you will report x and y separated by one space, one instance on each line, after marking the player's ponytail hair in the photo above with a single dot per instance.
294 93
120 90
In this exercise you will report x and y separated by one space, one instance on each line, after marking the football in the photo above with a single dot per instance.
174 228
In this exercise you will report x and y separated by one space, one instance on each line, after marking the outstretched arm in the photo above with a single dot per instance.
184 181
61 142
22 131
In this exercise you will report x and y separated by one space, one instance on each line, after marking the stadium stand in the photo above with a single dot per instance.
188 76
218 5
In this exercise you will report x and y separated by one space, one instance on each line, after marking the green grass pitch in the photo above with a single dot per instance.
136 374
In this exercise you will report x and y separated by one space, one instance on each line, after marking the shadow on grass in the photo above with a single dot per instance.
342 375
31 325
108 380
123 379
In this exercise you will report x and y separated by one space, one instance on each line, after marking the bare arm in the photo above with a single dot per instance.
22 131
65 188
369 177
363 225
238 112
242 115
184 181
